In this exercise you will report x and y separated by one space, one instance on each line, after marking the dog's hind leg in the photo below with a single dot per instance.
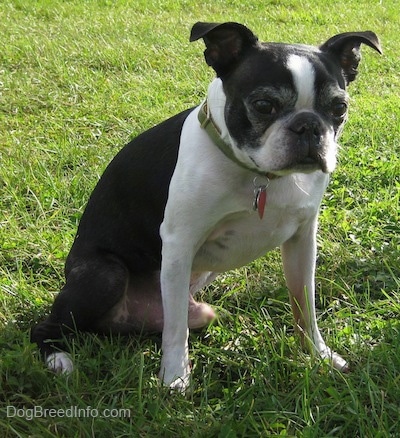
141 309
200 314
94 284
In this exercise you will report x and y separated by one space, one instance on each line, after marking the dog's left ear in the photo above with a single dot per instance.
346 48
226 43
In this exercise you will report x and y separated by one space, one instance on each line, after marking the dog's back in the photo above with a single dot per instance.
134 186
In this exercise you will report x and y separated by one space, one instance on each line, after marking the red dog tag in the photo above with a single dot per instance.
260 200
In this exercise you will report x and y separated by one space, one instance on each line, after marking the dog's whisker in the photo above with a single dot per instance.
301 188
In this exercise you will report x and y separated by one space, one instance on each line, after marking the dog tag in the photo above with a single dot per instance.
260 199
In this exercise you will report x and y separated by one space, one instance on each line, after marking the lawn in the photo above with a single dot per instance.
78 79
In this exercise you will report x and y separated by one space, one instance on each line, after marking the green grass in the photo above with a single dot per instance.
78 79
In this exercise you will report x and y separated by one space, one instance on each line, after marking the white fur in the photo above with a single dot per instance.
304 80
60 362
210 226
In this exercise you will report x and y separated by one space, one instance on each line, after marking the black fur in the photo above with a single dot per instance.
113 241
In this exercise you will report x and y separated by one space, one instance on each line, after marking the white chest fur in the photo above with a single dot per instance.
241 237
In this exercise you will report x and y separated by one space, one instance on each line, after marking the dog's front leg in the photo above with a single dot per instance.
298 256
175 282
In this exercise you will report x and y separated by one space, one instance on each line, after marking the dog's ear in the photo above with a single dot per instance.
225 43
346 48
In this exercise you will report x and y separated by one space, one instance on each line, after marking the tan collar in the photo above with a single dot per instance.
213 131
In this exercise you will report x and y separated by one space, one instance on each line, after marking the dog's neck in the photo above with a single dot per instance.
214 132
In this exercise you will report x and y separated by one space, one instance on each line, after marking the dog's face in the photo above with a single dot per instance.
285 104
288 117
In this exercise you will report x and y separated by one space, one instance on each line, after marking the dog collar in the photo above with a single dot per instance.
213 131
207 123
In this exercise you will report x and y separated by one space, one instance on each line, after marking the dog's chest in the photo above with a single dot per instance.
243 237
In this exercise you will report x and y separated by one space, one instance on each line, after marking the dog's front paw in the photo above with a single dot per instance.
176 379
60 363
180 385
335 359
339 363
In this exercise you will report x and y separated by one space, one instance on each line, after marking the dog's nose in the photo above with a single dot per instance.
309 129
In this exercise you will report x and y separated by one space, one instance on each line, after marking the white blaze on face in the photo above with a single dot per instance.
304 80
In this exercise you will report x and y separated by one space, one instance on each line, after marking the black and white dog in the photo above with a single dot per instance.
209 190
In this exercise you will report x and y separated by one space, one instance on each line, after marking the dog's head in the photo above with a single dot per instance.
285 103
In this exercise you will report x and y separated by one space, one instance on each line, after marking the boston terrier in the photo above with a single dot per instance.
210 190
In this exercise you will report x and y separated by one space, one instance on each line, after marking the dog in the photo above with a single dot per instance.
209 190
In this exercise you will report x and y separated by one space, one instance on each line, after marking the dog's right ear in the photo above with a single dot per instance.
225 43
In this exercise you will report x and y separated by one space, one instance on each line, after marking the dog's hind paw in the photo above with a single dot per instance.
200 314
60 363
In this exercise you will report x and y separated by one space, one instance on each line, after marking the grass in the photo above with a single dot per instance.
78 79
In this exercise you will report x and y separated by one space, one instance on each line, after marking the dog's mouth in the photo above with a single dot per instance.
310 164
306 165
282 153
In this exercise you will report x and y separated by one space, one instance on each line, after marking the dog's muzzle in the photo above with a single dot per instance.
308 137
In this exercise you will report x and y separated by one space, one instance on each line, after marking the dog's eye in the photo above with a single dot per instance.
339 109
264 107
